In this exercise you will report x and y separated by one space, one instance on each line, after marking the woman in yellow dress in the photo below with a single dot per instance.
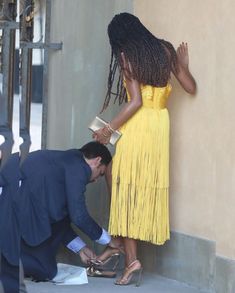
140 169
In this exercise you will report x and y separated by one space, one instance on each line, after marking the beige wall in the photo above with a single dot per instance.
78 73
202 197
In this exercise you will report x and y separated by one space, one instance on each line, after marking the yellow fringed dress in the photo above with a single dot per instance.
140 173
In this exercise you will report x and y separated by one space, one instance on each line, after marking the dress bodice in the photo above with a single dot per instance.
154 97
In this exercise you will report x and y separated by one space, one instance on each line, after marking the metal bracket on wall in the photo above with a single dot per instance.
40 45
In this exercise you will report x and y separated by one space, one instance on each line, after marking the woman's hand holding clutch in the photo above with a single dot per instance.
102 135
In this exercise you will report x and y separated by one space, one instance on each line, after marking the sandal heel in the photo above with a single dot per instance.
116 262
139 278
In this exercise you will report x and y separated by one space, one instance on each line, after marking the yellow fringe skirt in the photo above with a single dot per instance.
140 178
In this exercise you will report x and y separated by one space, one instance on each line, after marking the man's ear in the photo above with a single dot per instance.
97 161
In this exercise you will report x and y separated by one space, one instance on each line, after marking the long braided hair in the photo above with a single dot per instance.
151 59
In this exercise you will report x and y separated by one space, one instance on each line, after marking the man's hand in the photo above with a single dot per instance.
86 255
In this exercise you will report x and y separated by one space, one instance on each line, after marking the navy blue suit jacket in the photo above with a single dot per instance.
52 187
9 228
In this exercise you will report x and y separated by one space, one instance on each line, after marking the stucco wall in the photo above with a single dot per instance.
202 200
78 73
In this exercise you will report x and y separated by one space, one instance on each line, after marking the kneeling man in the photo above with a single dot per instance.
51 197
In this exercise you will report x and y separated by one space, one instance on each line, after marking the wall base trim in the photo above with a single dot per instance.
190 260
225 275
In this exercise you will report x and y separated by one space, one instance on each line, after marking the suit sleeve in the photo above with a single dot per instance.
76 180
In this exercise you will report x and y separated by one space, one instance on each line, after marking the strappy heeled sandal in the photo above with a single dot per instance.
114 256
133 269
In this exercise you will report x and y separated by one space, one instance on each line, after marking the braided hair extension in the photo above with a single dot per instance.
151 59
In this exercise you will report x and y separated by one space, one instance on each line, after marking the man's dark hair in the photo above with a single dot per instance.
95 149
151 59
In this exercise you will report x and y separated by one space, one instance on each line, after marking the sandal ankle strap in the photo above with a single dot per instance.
132 263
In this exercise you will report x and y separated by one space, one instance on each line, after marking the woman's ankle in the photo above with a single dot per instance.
134 265
108 252
130 261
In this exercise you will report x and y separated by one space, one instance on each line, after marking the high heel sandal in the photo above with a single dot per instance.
115 255
133 268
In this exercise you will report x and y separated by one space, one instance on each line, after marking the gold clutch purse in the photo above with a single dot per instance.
98 123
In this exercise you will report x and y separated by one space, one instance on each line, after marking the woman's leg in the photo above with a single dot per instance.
133 265
109 251
130 250
130 247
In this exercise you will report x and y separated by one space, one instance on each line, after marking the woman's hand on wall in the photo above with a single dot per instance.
183 74
182 55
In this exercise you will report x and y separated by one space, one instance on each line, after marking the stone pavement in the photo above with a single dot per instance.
151 283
